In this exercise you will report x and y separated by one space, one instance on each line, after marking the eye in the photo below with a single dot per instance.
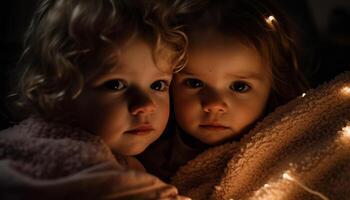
193 83
240 86
160 85
115 85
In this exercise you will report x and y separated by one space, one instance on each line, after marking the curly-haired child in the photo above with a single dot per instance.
94 91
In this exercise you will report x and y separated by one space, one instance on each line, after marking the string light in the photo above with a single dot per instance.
346 90
270 19
287 176
346 131
345 134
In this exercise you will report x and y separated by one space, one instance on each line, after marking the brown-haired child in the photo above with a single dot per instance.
242 64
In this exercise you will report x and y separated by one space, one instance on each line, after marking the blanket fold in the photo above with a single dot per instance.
300 151
46 160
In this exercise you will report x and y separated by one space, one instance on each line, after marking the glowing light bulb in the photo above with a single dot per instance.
346 131
345 135
287 176
346 90
303 95
270 19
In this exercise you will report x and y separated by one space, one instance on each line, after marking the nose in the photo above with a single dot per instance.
213 102
141 103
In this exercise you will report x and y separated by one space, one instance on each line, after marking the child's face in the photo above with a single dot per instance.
220 92
128 106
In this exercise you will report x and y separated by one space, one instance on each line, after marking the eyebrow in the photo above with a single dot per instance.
186 73
249 75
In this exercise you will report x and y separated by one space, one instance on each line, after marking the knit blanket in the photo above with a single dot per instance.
46 160
300 151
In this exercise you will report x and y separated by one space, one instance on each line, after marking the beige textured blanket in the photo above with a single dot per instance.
300 151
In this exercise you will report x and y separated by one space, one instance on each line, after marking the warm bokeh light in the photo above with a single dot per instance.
345 134
346 90
286 175
346 131
270 19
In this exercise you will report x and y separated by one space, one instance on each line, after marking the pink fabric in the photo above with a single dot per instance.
45 150
41 160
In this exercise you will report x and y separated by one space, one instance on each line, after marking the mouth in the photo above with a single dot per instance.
213 127
140 130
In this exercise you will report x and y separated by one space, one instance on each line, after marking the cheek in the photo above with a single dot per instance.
109 122
101 115
262 100
186 108
253 109
163 110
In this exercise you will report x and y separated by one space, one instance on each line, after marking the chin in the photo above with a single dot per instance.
133 151
212 141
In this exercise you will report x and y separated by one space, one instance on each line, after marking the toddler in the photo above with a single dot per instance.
242 64
95 91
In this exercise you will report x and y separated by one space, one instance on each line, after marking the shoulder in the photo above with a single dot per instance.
47 151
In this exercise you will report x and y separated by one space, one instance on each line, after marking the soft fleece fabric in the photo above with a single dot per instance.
45 160
303 143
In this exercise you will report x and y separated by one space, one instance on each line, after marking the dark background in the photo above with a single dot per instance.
324 27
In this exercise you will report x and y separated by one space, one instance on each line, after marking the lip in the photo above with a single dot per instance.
140 130
213 126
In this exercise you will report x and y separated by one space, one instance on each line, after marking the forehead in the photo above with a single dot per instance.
132 58
219 56
139 52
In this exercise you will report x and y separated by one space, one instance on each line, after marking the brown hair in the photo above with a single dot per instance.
69 38
255 23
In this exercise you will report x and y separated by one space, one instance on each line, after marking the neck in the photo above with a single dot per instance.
192 141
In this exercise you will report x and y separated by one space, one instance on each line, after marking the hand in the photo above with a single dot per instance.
168 192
